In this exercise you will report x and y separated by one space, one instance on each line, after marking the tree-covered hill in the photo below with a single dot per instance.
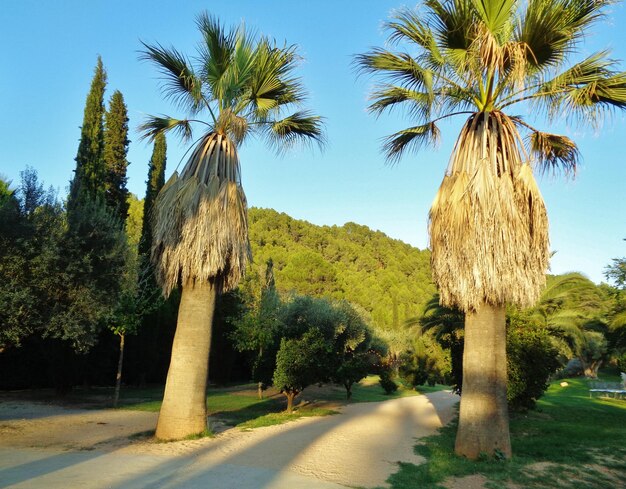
386 277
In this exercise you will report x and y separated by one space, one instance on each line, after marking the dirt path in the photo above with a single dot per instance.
47 446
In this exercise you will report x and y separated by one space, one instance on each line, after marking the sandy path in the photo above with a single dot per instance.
43 446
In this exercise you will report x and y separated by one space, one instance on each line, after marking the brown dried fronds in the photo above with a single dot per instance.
488 223
200 220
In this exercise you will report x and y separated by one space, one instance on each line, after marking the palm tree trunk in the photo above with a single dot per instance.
183 412
484 415
118 376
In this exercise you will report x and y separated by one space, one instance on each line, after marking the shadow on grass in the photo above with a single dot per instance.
570 440
248 413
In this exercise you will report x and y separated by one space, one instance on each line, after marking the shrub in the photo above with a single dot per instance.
386 382
532 359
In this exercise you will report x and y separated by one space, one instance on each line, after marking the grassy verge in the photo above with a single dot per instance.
570 440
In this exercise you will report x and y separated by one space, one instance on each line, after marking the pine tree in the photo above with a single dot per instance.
89 173
114 156
156 180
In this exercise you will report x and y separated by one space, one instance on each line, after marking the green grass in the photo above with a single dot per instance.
582 441
239 406
368 390
279 418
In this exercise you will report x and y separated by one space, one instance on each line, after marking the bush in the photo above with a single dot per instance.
386 382
621 362
532 359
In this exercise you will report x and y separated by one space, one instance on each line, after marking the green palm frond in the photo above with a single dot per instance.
497 15
400 67
408 26
271 85
216 50
553 152
551 28
413 138
154 125
181 84
453 24
300 127
387 97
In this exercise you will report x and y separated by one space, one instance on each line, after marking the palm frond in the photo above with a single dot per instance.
181 84
552 28
497 15
154 125
453 23
585 90
299 128
397 66
271 84
387 97
407 25
554 153
413 138
216 51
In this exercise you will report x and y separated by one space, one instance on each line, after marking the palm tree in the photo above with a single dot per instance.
574 309
488 227
244 85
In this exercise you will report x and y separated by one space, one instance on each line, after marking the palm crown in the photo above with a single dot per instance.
488 224
245 86
488 55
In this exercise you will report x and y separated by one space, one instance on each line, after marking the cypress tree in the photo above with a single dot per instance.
156 180
89 173
114 156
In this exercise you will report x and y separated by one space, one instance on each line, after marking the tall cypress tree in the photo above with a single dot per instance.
114 155
89 173
156 180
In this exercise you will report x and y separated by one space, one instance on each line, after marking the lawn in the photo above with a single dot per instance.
569 441
239 405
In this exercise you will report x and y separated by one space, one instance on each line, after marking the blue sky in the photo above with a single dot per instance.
48 51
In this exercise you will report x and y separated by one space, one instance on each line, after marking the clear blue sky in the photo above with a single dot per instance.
48 51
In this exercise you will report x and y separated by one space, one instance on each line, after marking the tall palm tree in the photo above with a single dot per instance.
481 59
244 85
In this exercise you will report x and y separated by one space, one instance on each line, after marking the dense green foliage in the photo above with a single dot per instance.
532 359
115 149
319 342
258 329
349 262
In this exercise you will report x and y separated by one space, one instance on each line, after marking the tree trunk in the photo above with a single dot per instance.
290 398
590 369
348 386
484 415
118 376
183 412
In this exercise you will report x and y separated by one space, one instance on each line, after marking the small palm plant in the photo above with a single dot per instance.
244 85
488 226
